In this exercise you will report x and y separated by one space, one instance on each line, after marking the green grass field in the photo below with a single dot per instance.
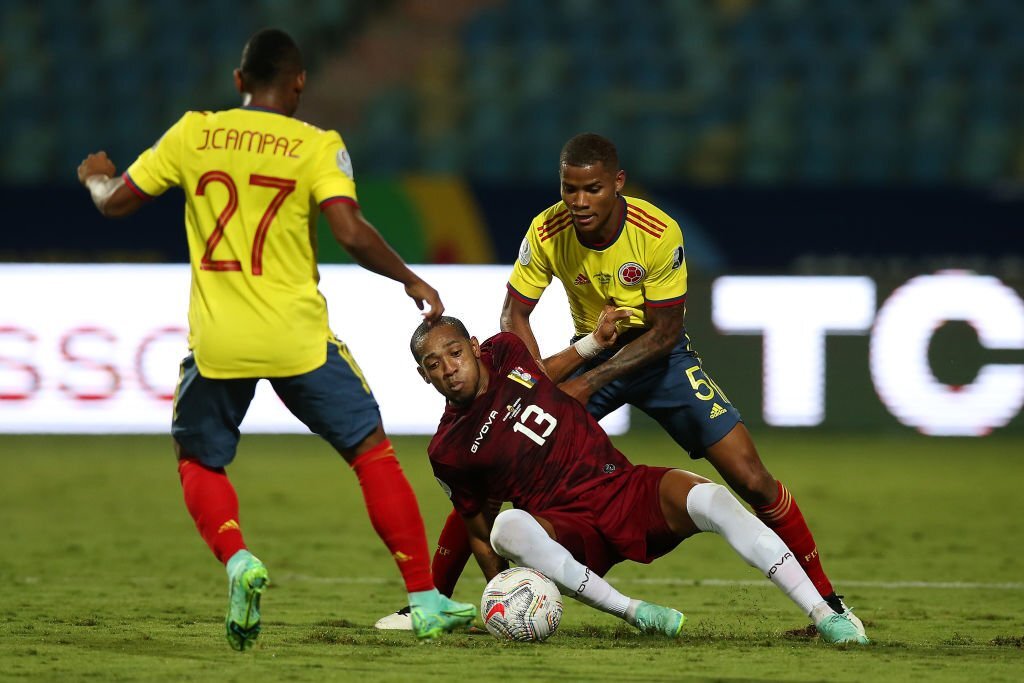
103 577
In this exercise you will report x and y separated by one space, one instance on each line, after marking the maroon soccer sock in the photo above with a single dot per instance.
213 504
451 554
394 513
784 518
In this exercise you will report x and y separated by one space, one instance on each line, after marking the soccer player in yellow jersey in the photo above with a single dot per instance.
252 178
607 248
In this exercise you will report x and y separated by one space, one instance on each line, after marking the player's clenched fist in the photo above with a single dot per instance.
96 164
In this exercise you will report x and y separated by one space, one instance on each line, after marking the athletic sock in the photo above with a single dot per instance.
784 518
213 504
451 555
394 513
713 508
518 537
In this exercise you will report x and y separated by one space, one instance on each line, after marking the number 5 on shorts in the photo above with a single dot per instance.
703 384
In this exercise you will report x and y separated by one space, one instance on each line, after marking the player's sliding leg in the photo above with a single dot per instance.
712 507
737 460
518 537
395 516
450 559
213 504
783 516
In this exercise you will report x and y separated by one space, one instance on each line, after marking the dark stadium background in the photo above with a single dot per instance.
788 137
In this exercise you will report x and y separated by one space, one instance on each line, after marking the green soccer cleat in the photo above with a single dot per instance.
396 621
443 616
840 628
245 586
855 620
651 618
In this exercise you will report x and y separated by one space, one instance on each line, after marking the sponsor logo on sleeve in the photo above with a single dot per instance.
677 257
344 162
525 254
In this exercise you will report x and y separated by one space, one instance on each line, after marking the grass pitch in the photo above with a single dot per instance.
103 577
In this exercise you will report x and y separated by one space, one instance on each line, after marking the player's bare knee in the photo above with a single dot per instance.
755 484
511 531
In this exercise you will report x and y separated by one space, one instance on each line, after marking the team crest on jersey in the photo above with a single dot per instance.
677 257
525 254
512 410
631 273
522 377
344 162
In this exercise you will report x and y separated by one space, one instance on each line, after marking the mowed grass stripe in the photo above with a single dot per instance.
669 581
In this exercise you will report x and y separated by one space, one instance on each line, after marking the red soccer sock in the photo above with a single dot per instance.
213 504
784 518
451 554
394 513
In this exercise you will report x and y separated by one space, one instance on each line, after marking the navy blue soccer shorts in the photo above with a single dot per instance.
676 392
334 401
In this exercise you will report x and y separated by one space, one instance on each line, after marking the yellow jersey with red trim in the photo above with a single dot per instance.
253 180
642 266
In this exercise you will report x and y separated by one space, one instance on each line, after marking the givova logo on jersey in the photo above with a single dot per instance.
483 432
631 273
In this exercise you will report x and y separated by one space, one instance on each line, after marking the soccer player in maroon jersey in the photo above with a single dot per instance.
606 247
510 434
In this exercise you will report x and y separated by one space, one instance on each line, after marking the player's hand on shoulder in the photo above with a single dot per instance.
607 331
422 293
96 164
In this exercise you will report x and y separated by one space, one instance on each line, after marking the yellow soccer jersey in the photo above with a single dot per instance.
252 179
642 266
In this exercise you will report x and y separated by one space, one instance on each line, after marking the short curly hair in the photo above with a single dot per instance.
587 149
269 55
416 343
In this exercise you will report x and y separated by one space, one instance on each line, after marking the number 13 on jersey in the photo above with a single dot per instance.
540 420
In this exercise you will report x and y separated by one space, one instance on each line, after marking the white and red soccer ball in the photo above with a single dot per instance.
521 604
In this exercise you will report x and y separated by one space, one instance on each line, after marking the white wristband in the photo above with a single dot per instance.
588 347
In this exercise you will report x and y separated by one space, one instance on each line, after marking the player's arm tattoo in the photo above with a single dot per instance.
657 342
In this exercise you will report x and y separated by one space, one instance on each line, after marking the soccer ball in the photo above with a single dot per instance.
521 604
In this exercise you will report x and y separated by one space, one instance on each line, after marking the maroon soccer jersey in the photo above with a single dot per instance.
522 441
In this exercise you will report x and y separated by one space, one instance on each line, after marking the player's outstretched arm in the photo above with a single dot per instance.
360 239
604 336
665 331
478 527
515 318
109 192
